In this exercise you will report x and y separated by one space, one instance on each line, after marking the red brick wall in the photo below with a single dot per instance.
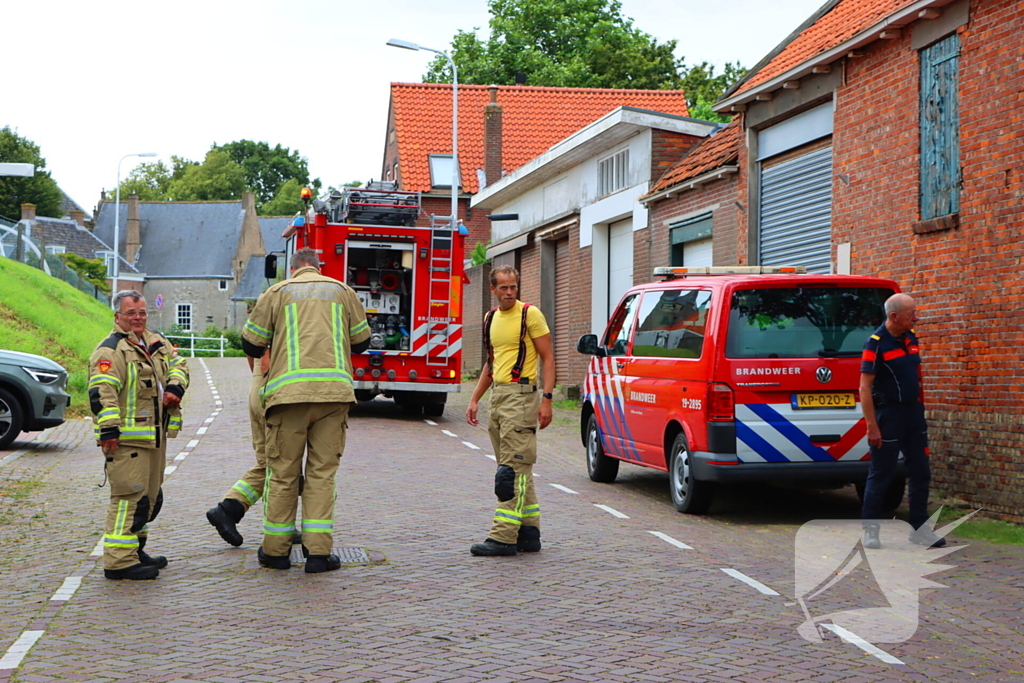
476 301
667 148
576 321
968 280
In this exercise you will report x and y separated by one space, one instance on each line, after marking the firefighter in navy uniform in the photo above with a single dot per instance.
890 394
136 382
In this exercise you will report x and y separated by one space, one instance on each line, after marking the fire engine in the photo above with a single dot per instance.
409 279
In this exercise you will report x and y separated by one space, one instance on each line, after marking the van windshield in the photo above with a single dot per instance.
803 322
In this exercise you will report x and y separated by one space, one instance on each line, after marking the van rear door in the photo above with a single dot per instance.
793 358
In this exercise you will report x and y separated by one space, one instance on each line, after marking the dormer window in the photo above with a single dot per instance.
441 171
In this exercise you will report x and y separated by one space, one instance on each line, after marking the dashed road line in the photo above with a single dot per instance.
671 541
565 488
17 651
611 511
431 423
68 588
445 431
488 455
192 444
470 445
753 583
851 637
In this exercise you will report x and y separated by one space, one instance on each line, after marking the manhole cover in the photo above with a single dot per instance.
348 555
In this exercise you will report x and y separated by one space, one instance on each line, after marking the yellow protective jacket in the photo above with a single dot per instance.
311 321
126 385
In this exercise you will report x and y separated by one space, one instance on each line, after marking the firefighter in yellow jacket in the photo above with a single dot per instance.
136 382
313 323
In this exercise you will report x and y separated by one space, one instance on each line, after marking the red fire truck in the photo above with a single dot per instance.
409 279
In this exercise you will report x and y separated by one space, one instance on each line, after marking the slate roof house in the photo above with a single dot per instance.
253 283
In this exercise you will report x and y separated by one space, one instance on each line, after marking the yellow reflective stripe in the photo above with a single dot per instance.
122 513
358 327
132 398
99 379
292 334
876 337
257 330
337 334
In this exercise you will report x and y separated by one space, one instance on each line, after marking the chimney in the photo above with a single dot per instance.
78 216
28 212
133 235
492 138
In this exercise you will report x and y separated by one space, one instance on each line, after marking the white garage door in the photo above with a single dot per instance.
620 261
698 253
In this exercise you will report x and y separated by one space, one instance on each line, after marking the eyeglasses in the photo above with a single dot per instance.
135 314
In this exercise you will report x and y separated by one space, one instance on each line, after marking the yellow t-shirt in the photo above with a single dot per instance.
506 327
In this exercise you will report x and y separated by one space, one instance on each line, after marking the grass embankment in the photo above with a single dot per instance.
43 315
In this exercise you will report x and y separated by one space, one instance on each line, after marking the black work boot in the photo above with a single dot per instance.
491 548
158 561
316 564
529 539
273 561
926 537
224 516
136 572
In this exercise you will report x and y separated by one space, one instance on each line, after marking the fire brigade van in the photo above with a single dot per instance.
734 374
408 278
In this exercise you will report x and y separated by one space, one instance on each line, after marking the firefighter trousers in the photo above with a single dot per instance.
249 488
512 425
318 430
135 475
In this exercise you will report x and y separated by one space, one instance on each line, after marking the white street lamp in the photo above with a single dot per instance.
406 45
117 220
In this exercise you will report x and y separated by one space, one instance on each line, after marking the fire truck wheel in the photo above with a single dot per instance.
412 408
689 494
433 409
600 467
893 497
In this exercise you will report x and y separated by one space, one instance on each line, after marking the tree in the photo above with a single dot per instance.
287 202
148 180
566 43
267 169
93 270
704 88
217 178
39 189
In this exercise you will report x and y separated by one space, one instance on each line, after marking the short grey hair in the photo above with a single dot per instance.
896 303
122 295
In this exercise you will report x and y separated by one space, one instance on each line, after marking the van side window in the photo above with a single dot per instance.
672 323
621 326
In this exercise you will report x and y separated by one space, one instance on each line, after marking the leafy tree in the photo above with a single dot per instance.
703 87
479 254
93 270
217 178
267 169
286 202
148 180
568 43
39 189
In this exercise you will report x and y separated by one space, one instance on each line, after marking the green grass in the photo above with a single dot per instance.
992 530
43 315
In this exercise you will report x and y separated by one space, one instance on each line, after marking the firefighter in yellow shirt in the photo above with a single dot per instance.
517 335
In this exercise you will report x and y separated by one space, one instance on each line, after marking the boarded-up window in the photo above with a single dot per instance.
940 129
612 173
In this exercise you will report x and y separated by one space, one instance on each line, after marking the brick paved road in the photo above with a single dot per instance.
605 601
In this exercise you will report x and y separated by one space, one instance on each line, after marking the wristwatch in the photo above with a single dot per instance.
548 396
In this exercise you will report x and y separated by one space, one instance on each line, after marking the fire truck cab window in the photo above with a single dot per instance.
621 326
672 323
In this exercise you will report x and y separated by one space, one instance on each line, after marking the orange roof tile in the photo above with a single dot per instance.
845 20
533 119
714 152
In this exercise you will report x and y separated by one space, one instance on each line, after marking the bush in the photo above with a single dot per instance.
234 337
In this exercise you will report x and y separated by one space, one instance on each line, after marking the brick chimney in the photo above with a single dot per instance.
78 216
492 138
133 235
28 212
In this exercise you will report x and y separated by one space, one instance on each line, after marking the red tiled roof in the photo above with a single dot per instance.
714 152
842 22
533 120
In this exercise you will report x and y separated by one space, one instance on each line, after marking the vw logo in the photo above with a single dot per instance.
823 374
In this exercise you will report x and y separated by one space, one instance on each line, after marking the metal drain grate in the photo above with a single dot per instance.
348 555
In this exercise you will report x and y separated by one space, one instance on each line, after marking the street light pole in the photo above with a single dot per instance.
406 45
117 219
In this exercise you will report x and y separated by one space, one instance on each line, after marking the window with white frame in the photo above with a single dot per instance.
222 285
55 250
184 317
108 261
612 173
441 170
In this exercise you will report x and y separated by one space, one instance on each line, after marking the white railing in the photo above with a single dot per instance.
192 339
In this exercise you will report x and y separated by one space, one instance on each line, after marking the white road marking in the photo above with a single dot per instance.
851 637
564 488
470 445
671 541
192 444
749 581
201 431
611 511
492 457
68 588
218 403
180 456
20 648
98 550
169 470
207 420
431 422
445 431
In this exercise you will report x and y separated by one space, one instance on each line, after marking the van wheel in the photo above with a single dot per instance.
600 467
893 497
11 418
689 494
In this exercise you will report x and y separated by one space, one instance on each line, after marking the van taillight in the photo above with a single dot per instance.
721 406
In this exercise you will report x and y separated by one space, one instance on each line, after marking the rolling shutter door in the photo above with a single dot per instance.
564 346
796 212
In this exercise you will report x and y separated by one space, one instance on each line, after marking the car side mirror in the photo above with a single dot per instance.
270 266
588 345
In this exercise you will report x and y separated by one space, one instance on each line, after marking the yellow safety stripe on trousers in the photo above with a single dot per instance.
515 515
120 539
292 335
99 379
507 516
247 491
337 334
531 511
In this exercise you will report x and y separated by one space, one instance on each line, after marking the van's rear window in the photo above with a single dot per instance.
803 322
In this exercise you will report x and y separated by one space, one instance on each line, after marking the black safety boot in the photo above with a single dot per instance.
529 539
136 572
224 516
926 537
491 548
273 561
158 561
316 564
871 539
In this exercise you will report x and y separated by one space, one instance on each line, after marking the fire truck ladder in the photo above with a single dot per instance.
440 265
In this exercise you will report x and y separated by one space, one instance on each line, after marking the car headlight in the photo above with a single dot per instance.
42 376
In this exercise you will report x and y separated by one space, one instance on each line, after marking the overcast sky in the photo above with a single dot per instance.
92 81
